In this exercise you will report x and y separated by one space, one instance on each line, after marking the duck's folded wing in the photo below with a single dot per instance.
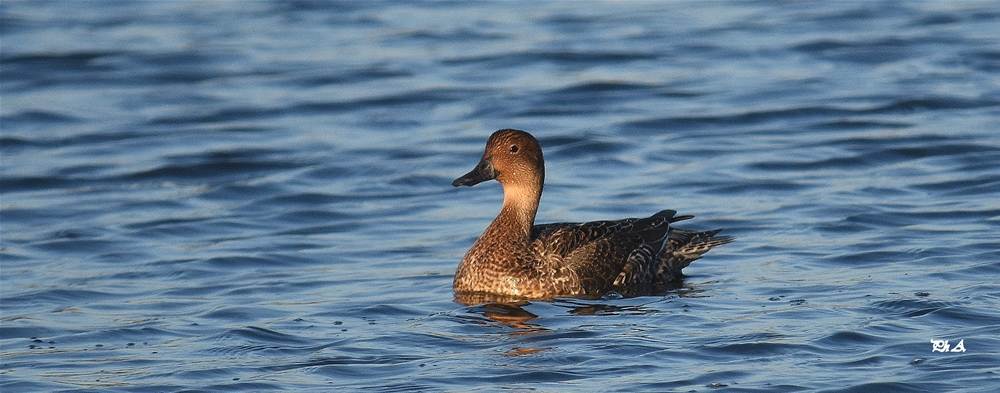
602 251
601 263
561 238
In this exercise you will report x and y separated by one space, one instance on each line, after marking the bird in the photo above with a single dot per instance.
518 259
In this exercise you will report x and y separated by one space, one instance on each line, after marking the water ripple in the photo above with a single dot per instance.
256 196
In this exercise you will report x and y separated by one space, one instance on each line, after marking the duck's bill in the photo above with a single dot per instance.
483 172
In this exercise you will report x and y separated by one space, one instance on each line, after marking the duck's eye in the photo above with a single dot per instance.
513 148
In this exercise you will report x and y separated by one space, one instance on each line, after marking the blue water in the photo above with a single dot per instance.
255 196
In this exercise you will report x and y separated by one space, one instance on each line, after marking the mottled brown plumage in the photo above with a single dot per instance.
516 258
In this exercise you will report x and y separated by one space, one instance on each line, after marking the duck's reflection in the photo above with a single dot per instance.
522 351
510 312
533 334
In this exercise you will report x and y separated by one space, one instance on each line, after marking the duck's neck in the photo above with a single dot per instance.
518 212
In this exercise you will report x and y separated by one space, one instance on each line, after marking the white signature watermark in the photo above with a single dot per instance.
943 346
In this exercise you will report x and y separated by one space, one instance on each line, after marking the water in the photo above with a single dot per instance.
255 196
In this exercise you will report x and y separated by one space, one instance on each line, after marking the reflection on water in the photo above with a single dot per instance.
522 351
510 312
511 315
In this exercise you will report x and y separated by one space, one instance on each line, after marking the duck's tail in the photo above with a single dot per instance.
682 248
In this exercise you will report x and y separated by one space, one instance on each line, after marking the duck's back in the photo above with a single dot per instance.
623 255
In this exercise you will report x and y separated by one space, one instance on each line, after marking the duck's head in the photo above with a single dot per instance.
513 158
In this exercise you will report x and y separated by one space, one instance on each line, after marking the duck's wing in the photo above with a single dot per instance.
562 238
606 253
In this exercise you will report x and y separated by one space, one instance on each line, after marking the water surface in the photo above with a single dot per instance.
255 196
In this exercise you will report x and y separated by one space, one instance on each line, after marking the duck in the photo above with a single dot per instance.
515 258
